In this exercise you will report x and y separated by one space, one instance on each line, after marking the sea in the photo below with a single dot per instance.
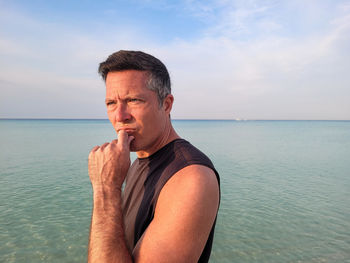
285 188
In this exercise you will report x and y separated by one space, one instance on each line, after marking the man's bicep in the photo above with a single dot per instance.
184 215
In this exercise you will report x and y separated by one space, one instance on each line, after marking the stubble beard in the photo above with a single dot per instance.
133 148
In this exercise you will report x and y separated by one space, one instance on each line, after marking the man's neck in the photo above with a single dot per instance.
169 135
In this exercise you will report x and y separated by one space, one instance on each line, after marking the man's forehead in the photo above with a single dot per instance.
127 75
124 84
124 80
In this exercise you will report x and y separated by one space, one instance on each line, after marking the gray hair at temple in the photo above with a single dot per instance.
159 80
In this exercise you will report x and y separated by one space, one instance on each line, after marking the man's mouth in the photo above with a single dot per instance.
129 131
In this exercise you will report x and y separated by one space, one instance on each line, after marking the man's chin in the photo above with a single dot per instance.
133 147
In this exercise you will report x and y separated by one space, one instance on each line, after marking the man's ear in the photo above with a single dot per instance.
168 103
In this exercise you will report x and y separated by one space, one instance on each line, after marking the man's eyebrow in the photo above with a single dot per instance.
127 97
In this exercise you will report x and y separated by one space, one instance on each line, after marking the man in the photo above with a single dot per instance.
167 210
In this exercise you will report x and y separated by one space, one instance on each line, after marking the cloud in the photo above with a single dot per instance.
247 63
275 76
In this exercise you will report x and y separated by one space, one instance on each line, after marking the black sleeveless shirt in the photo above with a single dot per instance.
146 178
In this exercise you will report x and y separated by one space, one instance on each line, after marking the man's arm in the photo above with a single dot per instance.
107 243
184 215
108 166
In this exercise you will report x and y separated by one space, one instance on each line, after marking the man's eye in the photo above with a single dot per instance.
110 103
134 100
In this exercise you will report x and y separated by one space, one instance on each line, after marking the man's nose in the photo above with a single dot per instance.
122 113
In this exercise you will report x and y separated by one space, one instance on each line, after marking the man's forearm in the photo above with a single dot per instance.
108 166
107 242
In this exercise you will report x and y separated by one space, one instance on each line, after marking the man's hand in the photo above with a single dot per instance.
109 163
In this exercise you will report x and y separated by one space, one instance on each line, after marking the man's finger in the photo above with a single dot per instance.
104 146
123 139
93 150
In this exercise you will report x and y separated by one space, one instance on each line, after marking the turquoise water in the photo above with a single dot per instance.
285 188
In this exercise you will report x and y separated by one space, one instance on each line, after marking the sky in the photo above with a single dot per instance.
239 59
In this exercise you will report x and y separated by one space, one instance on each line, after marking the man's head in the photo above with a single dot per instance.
138 99
158 81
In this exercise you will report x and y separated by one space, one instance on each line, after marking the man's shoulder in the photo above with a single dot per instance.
197 176
188 150
192 156
197 171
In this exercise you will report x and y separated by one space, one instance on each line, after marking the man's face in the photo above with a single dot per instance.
133 107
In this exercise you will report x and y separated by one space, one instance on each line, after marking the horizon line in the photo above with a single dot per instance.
181 119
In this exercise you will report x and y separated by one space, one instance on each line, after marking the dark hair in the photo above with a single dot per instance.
159 80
